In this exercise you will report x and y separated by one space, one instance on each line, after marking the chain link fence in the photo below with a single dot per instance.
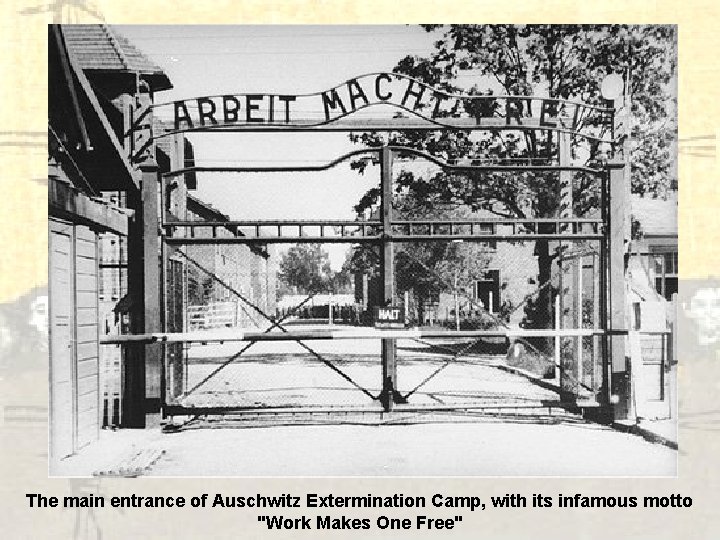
223 290
532 328
494 287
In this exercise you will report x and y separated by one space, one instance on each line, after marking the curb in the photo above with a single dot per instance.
646 434
135 463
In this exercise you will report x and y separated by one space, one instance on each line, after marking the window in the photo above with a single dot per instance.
487 290
113 283
666 273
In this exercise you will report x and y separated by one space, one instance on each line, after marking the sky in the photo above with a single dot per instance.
211 60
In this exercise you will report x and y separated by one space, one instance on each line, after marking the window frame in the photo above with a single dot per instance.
488 277
665 265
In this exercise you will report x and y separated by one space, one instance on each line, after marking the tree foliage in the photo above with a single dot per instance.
426 269
306 268
557 61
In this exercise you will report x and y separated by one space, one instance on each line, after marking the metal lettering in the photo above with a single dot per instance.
431 104
287 100
209 114
576 118
513 109
382 77
250 106
438 100
409 92
180 107
544 109
332 102
356 92
230 115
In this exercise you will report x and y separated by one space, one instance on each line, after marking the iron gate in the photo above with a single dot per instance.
216 332
436 369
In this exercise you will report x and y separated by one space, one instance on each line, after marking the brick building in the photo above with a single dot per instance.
249 270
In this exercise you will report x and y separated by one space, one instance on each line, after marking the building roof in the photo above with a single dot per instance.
97 47
78 123
205 210
657 217
208 212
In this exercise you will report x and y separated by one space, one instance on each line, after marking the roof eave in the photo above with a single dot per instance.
157 79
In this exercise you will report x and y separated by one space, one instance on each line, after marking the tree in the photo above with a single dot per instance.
342 280
425 269
558 61
306 267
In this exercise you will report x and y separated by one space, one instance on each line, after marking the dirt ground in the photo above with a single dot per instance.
479 448
446 449
284 374
370 444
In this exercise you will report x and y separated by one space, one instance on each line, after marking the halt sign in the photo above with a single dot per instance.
389 317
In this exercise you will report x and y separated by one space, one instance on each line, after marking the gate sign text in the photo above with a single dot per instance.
427 108
389 317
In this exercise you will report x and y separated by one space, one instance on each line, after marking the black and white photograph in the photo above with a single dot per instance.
362 251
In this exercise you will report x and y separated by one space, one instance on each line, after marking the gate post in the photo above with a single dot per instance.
133 373
566 293
142 398
150 182
151 272
620 387
143 369
388 393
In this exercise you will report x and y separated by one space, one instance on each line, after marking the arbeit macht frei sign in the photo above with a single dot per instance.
422 107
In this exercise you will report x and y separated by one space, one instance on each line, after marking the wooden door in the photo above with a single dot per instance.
62 391
87 335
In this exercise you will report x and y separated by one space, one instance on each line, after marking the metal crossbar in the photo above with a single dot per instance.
332 334
515 237
401 150
276 231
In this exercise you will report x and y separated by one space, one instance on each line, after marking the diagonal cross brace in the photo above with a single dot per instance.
438 370
496 319
274 324
234 357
